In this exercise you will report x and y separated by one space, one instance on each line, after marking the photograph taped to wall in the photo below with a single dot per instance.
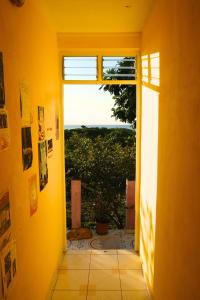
41 127
2 90
57 126
5 239
49 132
25 104
27 152
4 130
8 266
43 168
5 220
50 147
33 196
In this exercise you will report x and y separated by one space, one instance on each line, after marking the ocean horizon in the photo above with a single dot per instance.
69 127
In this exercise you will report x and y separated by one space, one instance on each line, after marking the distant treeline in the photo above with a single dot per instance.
122 136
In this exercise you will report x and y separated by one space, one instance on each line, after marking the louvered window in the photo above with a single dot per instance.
80 68
119 68
100 68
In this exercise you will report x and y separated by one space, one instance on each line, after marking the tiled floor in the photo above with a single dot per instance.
100 275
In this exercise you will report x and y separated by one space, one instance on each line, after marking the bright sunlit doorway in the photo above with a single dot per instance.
90 119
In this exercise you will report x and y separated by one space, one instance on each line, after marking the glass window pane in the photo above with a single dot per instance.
119 68
80 68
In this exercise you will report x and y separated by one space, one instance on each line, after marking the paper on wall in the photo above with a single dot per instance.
4 130
57 123
8 266
41 126
27 152
33 196
43 167
5 219
2 90
25 104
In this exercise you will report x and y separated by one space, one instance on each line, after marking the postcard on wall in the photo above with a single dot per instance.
50 147
49 132
41 127
33 196
43 168
2 90
5 220
5 239
8 266
57 126
4 130
27 153
25 104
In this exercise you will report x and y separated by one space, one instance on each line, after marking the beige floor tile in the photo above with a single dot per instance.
75 262
135 295
79 252
69 295
132 280
107 280
72 280
125 251
104 262
111 251
131 262
104 295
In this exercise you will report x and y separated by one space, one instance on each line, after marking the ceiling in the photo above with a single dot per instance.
76 16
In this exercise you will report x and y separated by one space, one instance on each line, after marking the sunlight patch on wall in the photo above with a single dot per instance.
151 69
155 69
145 68
149 157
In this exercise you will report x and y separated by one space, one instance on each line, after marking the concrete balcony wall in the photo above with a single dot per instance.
130 204
76 203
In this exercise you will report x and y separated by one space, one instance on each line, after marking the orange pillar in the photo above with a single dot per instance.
130 204
76 203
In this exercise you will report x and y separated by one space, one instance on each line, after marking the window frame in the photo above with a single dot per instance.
138 82
99 79
79 56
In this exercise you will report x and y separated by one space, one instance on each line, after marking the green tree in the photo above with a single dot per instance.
124 96
103 165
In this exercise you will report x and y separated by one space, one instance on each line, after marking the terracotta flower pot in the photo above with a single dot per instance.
101 228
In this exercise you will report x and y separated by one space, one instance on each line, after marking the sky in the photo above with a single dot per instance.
87 105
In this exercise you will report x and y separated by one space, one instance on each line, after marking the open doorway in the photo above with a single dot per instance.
100 150
100 167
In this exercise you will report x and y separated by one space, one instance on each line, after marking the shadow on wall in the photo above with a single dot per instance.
149 162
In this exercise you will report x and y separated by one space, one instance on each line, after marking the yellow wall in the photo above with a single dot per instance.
173 31
99 40
30 53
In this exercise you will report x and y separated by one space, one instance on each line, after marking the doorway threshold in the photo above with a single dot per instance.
114 240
